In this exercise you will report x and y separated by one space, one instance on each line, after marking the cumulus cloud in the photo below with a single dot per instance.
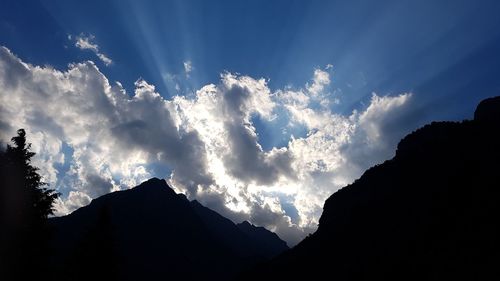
87 43
109 140
320 80
75 200
112 136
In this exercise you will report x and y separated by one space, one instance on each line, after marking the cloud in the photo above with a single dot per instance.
92 138
75 200
86 43
188 67
113 136
320 80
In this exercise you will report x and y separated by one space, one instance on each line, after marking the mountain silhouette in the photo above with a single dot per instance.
430 213
273 245
151 233
244 238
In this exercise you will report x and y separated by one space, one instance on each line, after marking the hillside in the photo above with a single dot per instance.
430 213
151 233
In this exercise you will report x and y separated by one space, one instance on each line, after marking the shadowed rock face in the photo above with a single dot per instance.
430 213
151 233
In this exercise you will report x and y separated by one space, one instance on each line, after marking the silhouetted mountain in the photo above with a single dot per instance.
488 110
251 242
151 233
271 243
430 213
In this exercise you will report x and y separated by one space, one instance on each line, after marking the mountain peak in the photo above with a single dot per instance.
266 237
246 224
153 185
154 182
488 110
168 234
428 213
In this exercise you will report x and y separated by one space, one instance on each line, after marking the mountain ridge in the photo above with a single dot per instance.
429 213
147 232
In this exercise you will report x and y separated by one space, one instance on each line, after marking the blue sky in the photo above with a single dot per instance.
445 53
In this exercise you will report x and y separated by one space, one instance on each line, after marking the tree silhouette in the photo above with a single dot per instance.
26 204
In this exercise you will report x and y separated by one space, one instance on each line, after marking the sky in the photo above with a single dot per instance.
260 110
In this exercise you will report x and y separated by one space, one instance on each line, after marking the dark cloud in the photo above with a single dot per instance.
234 100
100 185
248 162
183 151
45 123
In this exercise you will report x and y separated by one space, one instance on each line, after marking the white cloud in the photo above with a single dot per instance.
75 200
188 67
111 134
106 60
320 80
86 43
209 141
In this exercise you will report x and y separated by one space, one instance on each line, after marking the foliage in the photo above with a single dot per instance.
16 164
25 204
